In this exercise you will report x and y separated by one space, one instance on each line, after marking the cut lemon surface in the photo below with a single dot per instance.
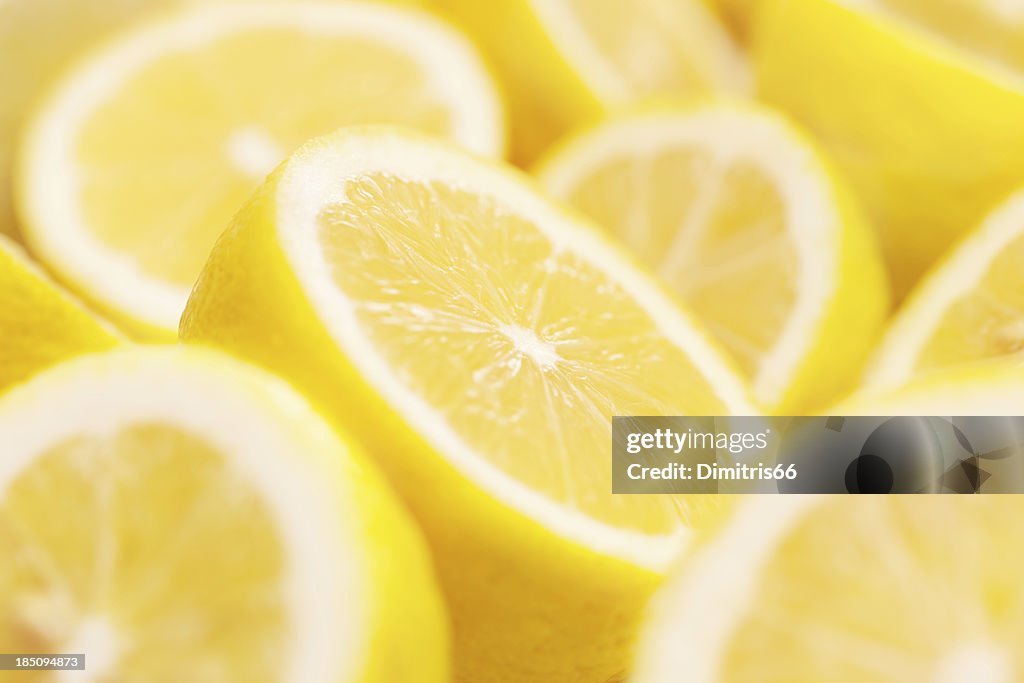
175 515
138 160
902 92
478 338
969 308
565 61
40 323
738 212
847 589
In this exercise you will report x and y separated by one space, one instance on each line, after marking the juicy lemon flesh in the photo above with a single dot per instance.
158 562
652 46
525 350
991 29
911 589
987 322
216 120
715 233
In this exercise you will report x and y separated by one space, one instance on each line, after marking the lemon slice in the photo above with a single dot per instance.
175 515
137 162
479 339
39 322
565 61
970 308
742 216
846 590
901 91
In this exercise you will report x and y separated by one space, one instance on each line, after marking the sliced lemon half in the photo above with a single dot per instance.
175 515
738 211
137 161
566 61
901 92
847 589
478 338
969 308
40 323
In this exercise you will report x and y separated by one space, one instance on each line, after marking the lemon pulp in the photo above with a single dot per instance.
130 567
499 331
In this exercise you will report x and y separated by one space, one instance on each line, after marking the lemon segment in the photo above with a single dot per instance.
139 159
969 308
768 597
214 528
741 215
478 339
40 324
566 61
898 91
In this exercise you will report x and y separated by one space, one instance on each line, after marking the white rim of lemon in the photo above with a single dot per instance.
200 395
733 132
941 47
51 185
315 176
964 268
694 617
592 64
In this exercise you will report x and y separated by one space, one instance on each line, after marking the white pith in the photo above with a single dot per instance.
316 176
694 618
559 20
51 185
941 47
731 135
207 398
914 326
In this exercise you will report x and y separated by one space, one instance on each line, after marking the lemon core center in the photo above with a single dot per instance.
527 343
252 151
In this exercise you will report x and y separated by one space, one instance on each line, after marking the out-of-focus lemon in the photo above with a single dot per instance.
566 61
742 216
920 101
739 14
138 160
969 308
478 339
178 516
38 38
39 322
848 589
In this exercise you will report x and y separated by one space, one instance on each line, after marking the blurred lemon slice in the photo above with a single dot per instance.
565 61
843 589
969 308
210 527
137 162
479 339
742 216
901 92
39 322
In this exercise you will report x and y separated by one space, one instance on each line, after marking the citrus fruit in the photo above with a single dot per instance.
738 211
566 61
145 149
478 339
969 308
845 589
39 322
176 515
919 102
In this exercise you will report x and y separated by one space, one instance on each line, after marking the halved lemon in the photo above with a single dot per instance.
918 100
177 516
145 150
566 61
847 589
40 323
969 308
478 339
738 211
